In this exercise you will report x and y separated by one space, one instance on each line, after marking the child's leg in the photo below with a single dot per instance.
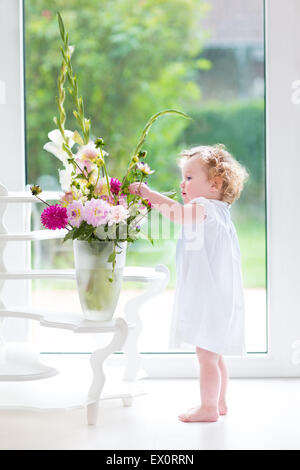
224 383
210 385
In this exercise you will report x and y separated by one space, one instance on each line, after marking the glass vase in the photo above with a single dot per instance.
98 295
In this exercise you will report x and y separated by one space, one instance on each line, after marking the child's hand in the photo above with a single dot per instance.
139 188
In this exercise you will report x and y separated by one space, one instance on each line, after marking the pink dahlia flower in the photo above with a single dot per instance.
96 212
118 214
54 217
75 212
115 185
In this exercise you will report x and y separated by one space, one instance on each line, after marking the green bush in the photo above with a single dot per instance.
241 127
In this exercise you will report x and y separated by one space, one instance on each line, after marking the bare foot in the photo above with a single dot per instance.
199 414
223 408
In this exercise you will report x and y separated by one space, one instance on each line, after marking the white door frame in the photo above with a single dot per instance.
282 37
282 165
12 156
282 69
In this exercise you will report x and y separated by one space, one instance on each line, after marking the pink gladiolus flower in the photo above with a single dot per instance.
88 152
96 212
84 163
122 200
115 185
75 213
54 217
66 199
144 168
101 189
110 199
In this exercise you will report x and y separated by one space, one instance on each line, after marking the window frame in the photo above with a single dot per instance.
282 251
12 133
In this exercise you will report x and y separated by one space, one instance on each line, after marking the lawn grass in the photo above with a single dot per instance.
252 238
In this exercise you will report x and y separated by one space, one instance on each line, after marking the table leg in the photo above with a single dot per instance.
2 343
131 312
97 360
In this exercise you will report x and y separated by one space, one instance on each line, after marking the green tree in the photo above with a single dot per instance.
132 59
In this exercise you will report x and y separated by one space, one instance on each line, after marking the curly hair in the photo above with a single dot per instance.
219 162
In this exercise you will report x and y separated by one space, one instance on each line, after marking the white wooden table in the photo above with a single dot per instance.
20 362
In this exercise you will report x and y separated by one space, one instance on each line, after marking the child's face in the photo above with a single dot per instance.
195 182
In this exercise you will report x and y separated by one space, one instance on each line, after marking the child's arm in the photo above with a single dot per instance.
176 212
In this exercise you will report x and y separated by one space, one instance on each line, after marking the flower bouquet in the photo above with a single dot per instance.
99 213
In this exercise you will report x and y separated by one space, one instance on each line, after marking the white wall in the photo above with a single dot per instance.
12 150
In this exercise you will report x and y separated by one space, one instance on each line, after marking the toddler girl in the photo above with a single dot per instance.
208 310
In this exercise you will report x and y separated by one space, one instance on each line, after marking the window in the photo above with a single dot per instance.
282 238
204 66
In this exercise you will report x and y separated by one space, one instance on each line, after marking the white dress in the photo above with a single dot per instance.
209 308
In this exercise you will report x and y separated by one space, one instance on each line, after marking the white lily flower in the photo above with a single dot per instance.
65 177
70 50
55 146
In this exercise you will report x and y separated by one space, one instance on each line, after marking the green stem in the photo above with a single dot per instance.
107 181
81 171
125 177
137 195
113 263
146 130
105 171
42 201
67 70
98 176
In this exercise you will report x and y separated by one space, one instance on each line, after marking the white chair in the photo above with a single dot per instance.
20 362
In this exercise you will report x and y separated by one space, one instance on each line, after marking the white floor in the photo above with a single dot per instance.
263 414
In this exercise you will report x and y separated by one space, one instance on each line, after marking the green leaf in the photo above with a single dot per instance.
171 194
77 137
111 257
203 64
69 235
63 53
61 26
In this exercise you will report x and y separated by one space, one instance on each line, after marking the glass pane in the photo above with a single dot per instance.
133 59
